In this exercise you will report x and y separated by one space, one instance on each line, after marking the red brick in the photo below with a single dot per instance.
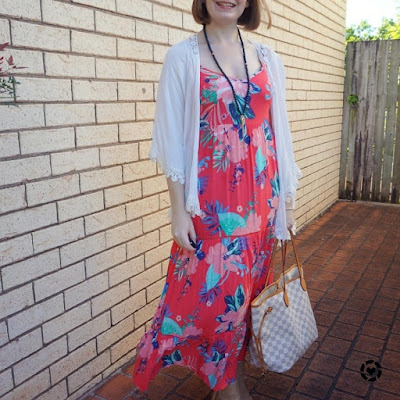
173 396
351 317
357 305
334 267
297 368
369 344
275 385
321 332
336 395
324 318
315 385
359 267
116 388
391 360
344 284
315 295
351 275
344 331
391 283
394 342
338 294
386 303
351 381
396 327
193 388
176 371
161 386
327 276
335 346
375 329
390 292
330 305
356 359
251 370
311 350
128 368
389 381
363 294
381 315
316 260
297 396
326 364
378 395
318 285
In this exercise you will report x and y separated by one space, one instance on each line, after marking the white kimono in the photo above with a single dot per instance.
177 125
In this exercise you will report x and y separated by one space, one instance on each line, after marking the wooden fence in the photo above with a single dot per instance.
370 159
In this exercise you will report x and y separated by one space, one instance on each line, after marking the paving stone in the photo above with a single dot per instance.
394 342
326 364
351 381
357 358
391 360
379 395
380 315
275 385
315 385
343 331
335 346
337 395
369 344
116 388
389 382
375 329
351 317
193 388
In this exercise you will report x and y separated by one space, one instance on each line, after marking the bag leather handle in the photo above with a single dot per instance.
284 250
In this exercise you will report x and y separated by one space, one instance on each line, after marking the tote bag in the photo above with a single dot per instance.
282 320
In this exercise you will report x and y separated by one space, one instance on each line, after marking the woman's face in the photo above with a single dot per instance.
225 11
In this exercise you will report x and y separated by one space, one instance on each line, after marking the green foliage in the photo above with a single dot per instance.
353 99
7 80
389 29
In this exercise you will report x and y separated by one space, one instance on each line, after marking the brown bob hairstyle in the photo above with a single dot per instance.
250 19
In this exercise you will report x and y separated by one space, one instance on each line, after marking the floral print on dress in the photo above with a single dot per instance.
202 319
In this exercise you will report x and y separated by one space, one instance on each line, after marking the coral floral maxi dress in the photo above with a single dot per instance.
203 317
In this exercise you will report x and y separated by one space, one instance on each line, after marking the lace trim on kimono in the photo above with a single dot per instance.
193 43
170 172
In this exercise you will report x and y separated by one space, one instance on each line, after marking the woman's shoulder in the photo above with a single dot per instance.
265 49
183 47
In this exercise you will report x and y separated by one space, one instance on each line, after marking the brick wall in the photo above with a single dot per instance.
84 236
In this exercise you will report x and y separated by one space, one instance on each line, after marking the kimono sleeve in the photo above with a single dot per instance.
292 181
168 142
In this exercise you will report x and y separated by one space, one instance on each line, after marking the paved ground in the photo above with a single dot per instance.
351 257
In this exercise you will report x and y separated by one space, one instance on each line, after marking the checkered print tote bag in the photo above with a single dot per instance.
282 320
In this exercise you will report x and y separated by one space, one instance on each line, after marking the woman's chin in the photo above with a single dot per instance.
224 19
224 15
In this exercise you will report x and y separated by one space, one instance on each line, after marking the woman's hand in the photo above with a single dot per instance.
181 228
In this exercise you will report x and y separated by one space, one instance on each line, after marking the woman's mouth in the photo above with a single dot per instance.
225 4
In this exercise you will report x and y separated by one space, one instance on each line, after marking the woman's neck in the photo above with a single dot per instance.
222 34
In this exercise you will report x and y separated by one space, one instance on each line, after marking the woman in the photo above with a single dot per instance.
222 137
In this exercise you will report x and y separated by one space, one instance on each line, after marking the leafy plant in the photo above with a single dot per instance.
7 79
352 99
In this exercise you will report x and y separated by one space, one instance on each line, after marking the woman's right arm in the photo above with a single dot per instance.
181 221
168 142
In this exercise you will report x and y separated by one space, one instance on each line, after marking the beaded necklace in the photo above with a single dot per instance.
246 99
